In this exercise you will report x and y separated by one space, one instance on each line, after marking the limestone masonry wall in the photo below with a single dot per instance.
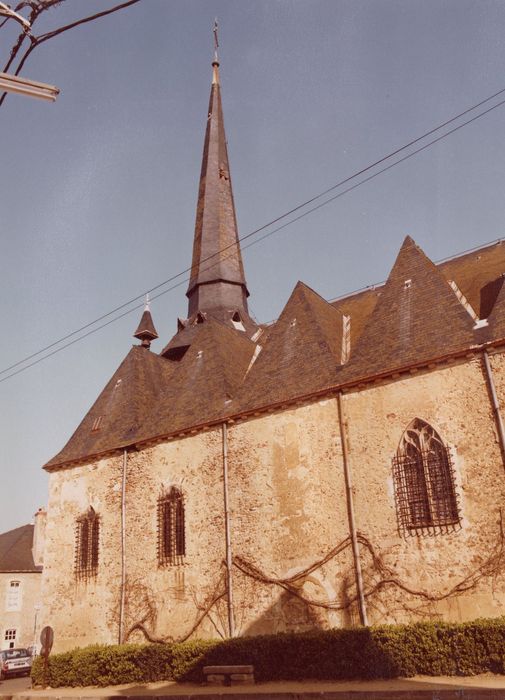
83 612
455 401
292 564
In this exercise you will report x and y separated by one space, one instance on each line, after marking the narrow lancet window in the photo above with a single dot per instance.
87 533
425 492
171 528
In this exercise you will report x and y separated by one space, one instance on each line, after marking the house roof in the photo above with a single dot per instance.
16 551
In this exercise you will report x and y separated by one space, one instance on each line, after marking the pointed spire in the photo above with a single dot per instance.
217 284
146 332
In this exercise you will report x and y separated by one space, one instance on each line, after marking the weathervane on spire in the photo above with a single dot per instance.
216 41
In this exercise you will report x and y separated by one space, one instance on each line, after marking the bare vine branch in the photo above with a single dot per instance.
493 565
36 9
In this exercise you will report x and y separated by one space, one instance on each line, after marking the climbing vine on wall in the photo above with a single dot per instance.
377 575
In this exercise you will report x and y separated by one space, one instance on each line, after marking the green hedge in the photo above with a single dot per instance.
387 651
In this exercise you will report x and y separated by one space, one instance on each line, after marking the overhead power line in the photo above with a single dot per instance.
304 204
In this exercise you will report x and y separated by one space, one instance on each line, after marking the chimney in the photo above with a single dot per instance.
39 537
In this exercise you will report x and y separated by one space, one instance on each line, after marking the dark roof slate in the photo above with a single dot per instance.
206 378
146 329
496 319
359 307
410 320
393 326
118 417
301 352
216 251
479 275
16 551
150 396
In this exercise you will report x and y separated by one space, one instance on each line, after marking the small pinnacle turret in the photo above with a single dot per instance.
146 332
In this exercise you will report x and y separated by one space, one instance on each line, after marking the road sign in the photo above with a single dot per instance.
46 639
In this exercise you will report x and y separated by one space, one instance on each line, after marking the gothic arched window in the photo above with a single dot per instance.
425 492
171 527
87 532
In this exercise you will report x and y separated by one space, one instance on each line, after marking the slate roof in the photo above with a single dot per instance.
300 353
149 395
16 551
146 330
415 318
479 275
119 415
221 364
216 252
410 321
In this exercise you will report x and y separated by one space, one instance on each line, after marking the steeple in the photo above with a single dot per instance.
217 285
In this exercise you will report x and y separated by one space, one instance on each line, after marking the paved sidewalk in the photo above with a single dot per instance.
418 688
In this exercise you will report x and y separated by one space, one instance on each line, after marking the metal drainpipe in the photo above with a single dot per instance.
350 512
231 623
123 547
495 403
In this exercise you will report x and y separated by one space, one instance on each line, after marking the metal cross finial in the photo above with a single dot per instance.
216 42
148 303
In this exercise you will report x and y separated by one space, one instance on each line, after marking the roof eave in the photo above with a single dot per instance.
356 382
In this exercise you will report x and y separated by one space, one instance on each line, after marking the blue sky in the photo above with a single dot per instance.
98 191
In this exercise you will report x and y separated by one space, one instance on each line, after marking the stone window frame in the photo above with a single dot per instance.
171 527
426 498
87 540
13 595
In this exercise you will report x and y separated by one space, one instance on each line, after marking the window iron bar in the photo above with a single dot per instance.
87 535
171 528
426 500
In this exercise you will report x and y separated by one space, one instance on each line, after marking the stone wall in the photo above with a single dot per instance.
82 612
455 401
293 566
288 511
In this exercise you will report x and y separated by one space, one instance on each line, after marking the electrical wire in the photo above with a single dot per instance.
262 228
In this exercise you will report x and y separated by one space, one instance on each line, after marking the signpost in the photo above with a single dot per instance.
46 639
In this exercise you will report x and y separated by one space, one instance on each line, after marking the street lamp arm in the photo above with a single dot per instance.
31 88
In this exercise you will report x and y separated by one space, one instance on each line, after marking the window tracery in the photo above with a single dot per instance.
423 473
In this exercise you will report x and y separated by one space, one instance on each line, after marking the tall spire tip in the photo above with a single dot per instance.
216 42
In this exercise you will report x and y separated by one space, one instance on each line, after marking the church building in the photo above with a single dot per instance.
341 466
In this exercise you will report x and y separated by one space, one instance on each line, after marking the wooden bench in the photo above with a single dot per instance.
228 675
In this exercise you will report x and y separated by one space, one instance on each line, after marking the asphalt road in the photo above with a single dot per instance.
14 685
